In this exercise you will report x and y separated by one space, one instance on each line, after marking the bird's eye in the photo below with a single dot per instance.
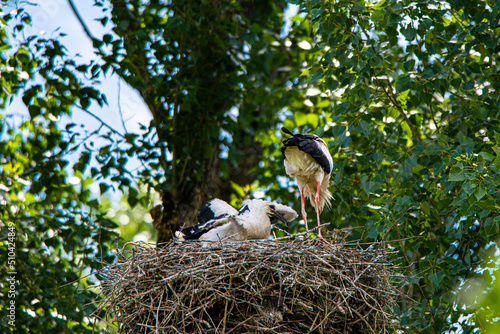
272 207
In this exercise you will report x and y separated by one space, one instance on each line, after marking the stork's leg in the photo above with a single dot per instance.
303 210
317 214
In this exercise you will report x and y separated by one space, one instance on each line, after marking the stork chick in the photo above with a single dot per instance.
308 160
218 221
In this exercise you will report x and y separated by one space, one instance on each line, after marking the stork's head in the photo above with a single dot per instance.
274 211
279 212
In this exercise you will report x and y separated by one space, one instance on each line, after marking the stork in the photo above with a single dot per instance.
251 222
308 160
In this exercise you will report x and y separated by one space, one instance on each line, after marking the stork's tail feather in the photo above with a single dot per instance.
327 199
285 130
324 200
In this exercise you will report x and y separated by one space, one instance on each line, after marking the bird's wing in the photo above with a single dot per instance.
309 145
199 230
287 212
225 232
243 224
216 209
248 213
245 207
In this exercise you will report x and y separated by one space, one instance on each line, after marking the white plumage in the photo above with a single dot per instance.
307 159
219 221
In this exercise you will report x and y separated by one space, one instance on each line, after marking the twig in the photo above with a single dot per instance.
207 289
404 213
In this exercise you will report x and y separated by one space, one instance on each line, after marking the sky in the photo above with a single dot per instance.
52 16
125 106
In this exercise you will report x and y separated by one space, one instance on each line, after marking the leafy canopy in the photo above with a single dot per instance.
405 93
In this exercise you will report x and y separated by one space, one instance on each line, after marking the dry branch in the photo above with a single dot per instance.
247 287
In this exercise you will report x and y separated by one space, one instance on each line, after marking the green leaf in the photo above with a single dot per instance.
412 161
409 65
300 118
103 187
316 77
496 162
488 204
332 84
403 83
491 227
487 156
108 223
425 24
338 130
469 85
455 83
425 207
428 73
5 47
377 16
497 138
132 198
436 278
313 119
457 174
409 33
479 193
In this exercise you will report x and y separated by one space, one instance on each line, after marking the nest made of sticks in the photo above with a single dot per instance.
254 286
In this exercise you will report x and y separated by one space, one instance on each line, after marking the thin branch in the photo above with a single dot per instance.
395 102
84 26
393 98
120 105
100 120
404 214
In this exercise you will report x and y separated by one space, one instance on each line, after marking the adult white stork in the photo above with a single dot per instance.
308 160
251 222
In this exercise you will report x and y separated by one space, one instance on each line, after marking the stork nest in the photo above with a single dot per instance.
295 286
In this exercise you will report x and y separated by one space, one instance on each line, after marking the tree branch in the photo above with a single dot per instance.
84 26
396 104
120 106
144 75
393 99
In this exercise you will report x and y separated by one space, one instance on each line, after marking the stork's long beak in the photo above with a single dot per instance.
276 215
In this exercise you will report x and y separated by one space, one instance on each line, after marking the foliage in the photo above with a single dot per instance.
134 222
406 94
56 230
483 291
415 133
214 78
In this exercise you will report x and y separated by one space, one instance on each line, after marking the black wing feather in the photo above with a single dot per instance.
196 231
207 219
206 215
307 144
243 209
